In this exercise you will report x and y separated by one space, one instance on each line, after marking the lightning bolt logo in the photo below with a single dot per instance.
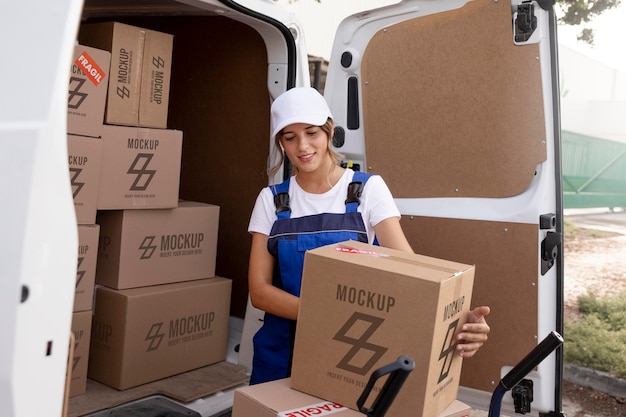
158 62
76 359
143 175
447 351
76 97
79 274
147 247
76 185
123 92
357 320
154 337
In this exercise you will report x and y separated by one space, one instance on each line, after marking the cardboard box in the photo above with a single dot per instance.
85 162
145 334
138 92
87 93
140 168
86 270
148 247
155 79
362 307
277 399
81 327
125 43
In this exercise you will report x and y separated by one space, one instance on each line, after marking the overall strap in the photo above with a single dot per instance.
281 199
355 189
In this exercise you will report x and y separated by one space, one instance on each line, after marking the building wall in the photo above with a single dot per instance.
593 96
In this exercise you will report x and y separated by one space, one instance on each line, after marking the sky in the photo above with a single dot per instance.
610 38
320 20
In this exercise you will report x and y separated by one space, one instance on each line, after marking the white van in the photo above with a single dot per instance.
454 102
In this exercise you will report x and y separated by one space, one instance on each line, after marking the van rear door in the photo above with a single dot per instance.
455 104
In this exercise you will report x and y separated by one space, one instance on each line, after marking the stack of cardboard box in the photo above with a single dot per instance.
87 92
151 298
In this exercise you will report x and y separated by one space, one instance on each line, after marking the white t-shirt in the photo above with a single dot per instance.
376 204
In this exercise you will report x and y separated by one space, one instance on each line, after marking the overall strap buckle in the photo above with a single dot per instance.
281 201
355 189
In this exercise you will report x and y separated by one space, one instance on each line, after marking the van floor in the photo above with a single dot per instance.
184 388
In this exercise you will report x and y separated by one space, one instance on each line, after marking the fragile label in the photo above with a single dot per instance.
346 249
90 68
320 409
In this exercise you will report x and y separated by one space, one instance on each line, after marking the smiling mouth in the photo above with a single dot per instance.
305 158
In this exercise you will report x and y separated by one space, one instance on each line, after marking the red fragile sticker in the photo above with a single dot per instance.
90 68
319 409
347 249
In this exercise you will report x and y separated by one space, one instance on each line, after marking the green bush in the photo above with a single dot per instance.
598 339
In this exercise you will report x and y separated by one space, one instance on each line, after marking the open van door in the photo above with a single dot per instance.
37 220
455 104
232 58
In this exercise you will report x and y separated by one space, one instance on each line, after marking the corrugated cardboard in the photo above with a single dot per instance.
144 334
81 327
85 161
140 168
137 95
86 270
362 307
277 399
155 79
125 42
87 92
148 247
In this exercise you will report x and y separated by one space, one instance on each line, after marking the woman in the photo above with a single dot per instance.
322 203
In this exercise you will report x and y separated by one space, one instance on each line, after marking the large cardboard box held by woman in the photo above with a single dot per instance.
364 306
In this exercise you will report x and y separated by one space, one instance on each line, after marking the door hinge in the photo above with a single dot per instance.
551 242
525 22
550 250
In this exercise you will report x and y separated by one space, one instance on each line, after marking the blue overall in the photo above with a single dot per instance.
288 241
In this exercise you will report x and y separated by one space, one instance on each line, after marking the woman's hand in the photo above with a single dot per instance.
473 333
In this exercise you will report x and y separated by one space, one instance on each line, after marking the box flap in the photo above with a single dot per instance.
409 264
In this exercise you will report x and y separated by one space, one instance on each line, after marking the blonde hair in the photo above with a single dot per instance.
278 151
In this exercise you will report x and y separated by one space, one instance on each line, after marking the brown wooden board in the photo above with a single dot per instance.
185 388
451 107
506 280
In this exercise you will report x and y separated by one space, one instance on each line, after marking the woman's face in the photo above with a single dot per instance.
306 146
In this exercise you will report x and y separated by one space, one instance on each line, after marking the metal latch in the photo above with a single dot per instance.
522 396
525 22
550 250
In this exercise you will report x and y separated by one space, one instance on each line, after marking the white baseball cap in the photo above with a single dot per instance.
299 105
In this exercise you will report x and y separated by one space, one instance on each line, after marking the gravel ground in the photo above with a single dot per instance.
595 261
594 264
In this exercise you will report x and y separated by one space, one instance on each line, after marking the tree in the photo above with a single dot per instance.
581 12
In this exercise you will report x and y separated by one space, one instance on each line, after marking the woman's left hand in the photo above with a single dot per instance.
473 333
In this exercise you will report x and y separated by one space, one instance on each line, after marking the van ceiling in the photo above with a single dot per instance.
109 8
